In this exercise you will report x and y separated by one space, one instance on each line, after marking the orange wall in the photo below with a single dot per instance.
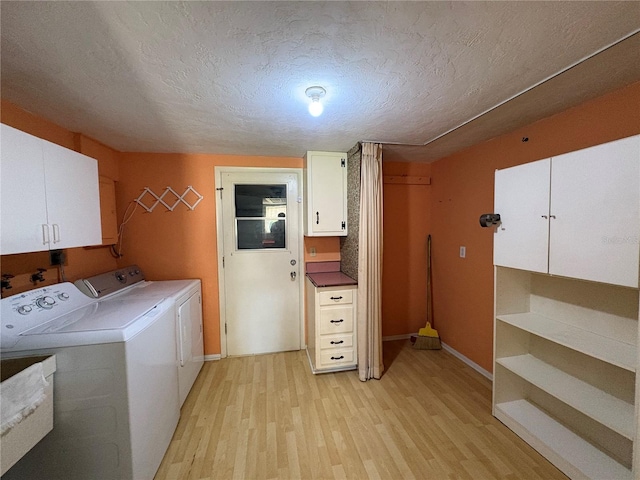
406 224
81 262
462 190
327 249
180 244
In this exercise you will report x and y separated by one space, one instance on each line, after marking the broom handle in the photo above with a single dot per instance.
429 285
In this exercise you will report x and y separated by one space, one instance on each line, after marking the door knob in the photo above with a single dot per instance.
293 275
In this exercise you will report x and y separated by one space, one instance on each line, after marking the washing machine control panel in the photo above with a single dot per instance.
27 310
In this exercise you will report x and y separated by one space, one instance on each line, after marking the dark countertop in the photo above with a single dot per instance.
330 279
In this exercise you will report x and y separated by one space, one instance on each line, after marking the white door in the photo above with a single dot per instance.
190 343
24 207
73 198
261 235
522 200
594 226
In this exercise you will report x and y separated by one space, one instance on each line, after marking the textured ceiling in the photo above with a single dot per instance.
229 77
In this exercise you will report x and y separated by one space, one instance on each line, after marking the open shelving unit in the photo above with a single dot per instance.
565 370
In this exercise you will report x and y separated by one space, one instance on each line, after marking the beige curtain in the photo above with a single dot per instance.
370 264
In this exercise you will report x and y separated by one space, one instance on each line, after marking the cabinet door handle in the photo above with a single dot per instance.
336 298
337 343
544 216
337 358
317 218
45 234
337 321
56 233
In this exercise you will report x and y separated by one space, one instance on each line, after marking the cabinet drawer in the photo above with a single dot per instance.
336 357
336 320
336 341
336 297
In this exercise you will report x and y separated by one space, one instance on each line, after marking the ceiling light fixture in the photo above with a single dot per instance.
315 94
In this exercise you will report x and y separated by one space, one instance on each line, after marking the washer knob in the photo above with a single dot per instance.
24 309
121 277
63 296
46 302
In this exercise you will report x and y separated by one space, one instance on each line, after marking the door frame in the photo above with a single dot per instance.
218 172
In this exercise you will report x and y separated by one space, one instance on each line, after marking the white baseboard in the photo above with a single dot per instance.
211 358
469 362
397 337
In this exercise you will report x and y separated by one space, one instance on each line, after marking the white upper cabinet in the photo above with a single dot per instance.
50 195
522 200
325 184
595 202
576 215
23 208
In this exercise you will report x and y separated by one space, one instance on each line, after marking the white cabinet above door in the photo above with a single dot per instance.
50 195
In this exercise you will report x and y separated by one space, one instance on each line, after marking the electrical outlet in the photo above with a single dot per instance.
463 252
312 251
56 257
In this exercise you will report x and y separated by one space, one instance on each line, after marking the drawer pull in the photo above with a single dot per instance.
337 343
337 358
337 321
337 298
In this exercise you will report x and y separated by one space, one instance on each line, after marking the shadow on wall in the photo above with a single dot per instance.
406 225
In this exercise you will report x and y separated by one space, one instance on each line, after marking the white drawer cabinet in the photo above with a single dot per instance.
331 316
50 195
325 187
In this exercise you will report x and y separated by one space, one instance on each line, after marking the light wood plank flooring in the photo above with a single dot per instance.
267 416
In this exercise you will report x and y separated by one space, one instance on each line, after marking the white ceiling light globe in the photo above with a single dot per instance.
315 108
315 94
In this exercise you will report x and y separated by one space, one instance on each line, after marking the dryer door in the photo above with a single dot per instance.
190 344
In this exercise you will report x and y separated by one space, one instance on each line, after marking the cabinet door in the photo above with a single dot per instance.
522 200
73 199
24 212
595 213
327 185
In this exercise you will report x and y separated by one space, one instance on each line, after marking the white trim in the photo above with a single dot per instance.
212 358
469 362
218 172
397 337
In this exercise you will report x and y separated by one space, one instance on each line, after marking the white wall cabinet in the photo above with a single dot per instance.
566 349
50 195
574 215
325 187
331 327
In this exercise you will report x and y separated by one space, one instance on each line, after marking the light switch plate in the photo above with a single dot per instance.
463 252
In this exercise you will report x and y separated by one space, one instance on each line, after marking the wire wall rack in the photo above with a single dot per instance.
163 200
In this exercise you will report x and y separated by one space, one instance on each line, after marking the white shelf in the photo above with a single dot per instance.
603 407
608 350
572 454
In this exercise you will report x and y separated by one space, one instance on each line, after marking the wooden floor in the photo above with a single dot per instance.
269 417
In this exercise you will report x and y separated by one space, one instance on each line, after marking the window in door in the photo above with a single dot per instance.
261 216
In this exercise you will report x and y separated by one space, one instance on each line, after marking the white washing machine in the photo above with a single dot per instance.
185 297
116 403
